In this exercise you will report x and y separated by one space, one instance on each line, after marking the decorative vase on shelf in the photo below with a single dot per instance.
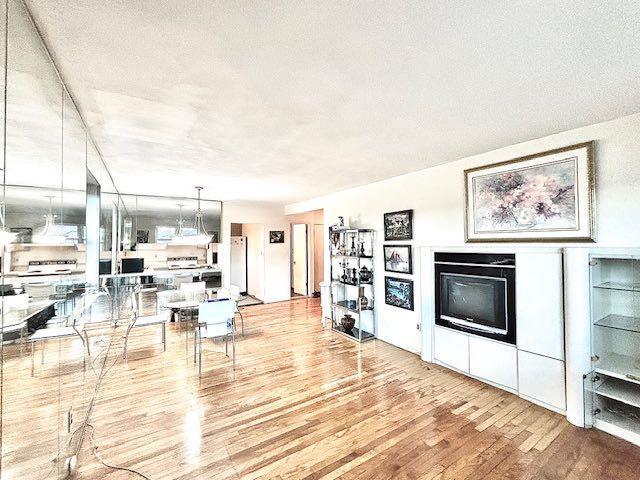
353 252
354 276
362 300
361 249
347 322
366 275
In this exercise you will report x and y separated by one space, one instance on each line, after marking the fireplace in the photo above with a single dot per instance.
476 292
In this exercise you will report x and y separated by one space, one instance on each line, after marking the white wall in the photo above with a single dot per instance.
277 285
437 197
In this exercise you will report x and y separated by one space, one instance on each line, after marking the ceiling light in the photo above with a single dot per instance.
48 233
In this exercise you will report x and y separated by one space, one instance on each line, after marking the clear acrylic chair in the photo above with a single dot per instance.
138 320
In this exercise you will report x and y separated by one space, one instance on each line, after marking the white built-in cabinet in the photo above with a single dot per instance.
451 348
494 361
534 368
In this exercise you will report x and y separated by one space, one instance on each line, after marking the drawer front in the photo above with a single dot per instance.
494 362
542 379
451 348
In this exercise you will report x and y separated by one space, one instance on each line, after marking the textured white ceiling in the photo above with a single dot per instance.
283 101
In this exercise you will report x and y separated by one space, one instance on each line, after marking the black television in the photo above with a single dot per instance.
104 267
132 265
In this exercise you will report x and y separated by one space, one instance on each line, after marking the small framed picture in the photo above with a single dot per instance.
398 225
276 236
398 292
397 259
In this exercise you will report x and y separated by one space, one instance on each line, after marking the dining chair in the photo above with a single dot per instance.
139 321
180 279
80 310
233 294
215 320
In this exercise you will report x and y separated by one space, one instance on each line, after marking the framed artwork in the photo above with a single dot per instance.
142 236
544 197
398 292
276 236
397 259
398 225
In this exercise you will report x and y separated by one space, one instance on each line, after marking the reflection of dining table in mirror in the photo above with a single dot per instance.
26 318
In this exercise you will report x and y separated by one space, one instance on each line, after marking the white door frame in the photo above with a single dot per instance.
296 288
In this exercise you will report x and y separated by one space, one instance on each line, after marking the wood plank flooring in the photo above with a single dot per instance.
303 403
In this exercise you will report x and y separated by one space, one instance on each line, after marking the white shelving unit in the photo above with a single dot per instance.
612 389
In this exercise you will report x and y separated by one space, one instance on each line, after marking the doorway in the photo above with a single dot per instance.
247 261
300 262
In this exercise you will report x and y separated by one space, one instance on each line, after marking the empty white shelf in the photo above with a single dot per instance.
619 366
623 391
621 322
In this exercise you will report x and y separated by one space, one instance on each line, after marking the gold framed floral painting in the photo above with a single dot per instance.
548 197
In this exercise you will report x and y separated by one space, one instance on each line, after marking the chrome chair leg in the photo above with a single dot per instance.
241 321
164 337
200 355
33 346
233 347
195 331
86 337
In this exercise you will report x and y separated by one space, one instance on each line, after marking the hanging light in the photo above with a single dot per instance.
179 237
5 237
201 235
48 233
197 235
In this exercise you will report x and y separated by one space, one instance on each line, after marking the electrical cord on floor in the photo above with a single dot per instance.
94 449
86 423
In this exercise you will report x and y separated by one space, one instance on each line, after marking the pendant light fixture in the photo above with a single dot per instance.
48 233
201 236
197 235
179 238
5 237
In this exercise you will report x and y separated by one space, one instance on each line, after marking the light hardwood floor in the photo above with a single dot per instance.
304 403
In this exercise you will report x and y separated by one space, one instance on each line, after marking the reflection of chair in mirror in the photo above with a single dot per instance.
40 291
76 329
195 290
139 321
182 278
10 304
167 297
215 320
233 294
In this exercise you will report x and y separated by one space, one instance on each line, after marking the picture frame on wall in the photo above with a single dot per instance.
398 292
276 236
398 225
546 197
397 259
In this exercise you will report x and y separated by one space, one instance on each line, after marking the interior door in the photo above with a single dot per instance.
300 264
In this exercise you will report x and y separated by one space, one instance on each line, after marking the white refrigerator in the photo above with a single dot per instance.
239 262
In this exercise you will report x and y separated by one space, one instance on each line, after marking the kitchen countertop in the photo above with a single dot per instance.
165 272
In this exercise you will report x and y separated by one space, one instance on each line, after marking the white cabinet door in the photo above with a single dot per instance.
542 378
493 361
539 304
451 348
